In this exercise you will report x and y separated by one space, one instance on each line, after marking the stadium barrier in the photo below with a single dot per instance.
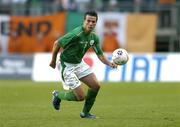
16 66
157 67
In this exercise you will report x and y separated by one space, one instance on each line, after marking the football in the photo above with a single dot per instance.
120 56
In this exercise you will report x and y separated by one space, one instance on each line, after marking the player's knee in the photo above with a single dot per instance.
80 97
96 87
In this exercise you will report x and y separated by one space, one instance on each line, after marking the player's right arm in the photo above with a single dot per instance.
61 42
55 51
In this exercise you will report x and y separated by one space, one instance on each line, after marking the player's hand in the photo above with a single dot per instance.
53 64
113 65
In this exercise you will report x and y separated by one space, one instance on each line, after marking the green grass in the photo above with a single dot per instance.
28 104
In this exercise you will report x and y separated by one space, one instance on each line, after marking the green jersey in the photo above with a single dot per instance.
76 43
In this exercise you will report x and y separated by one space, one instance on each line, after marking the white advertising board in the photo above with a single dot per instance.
140 68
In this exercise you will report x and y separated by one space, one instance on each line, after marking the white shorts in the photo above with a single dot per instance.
71 73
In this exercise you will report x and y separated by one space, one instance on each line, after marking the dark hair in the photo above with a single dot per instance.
91 13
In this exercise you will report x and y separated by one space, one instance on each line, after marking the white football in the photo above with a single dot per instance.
120 56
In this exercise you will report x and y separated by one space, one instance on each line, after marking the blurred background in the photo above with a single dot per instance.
29 27
143 93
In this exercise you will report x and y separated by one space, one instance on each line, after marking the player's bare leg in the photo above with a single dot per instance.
79 93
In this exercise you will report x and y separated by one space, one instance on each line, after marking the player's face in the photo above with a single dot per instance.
89 23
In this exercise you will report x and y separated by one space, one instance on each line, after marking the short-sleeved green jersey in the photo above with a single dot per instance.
76 43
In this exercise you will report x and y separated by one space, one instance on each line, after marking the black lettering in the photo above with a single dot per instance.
33 28
24 29
44 27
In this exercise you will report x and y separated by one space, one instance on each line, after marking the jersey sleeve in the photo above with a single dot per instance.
64 40
97 47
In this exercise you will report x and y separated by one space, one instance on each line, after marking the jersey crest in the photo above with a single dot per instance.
91 42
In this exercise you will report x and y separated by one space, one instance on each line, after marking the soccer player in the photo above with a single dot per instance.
73 69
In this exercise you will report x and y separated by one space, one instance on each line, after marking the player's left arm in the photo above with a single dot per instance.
104 60
100 54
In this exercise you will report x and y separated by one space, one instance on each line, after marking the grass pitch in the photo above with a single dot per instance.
28 104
